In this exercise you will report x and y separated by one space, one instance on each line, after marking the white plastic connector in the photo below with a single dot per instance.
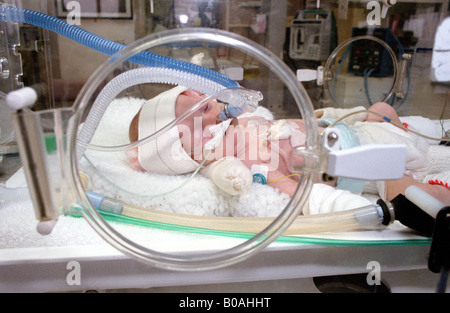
21 98
320 75
306 75
423 200
310 75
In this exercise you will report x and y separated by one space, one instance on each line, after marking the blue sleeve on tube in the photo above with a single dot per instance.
96 199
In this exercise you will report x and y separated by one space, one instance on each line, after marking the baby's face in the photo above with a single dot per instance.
193 130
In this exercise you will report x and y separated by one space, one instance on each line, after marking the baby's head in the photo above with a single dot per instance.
172 152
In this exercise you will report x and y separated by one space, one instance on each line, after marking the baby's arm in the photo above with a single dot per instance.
278 180
380 107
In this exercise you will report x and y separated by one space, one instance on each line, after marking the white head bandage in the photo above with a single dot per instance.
165 154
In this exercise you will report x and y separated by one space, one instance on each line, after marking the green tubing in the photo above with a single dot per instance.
243 235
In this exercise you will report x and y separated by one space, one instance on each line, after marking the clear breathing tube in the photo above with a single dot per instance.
241 98
133 78
227 93
347 220
247 99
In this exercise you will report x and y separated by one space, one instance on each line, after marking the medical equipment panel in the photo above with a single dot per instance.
313 35
366 57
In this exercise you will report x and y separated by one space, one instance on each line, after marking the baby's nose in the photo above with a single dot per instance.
210 117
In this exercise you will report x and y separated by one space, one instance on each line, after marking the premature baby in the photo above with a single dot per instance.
256 144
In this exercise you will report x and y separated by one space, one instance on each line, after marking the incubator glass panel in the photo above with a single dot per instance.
199 121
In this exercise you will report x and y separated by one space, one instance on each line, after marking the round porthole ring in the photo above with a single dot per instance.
328 75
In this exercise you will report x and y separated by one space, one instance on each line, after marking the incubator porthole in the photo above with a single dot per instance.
150 199
364 67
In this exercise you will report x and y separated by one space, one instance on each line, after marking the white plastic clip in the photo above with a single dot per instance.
306 75
320 75
367 162
310 75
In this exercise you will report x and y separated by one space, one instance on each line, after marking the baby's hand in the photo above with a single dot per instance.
230 175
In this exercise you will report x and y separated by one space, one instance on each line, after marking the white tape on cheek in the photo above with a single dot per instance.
217 131
280 130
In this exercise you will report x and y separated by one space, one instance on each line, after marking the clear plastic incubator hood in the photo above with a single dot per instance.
68 169
126 153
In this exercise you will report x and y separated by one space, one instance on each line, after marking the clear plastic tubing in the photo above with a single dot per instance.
12 14
347 220
360 218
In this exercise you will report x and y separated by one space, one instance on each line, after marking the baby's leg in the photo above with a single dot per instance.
385 110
